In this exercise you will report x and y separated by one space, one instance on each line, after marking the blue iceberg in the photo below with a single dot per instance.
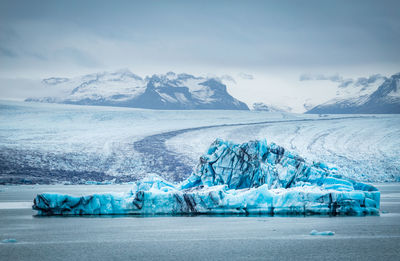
249 178
321 233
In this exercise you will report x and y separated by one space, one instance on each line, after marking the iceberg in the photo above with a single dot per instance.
321 233
9 240
253 178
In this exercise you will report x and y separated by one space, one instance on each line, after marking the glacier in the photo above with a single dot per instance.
252 178
43 143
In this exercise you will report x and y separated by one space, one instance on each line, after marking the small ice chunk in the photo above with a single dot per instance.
9 240
321 233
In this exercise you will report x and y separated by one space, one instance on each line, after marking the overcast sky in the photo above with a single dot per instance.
264 45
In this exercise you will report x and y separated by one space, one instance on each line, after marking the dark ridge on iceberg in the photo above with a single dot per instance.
255 163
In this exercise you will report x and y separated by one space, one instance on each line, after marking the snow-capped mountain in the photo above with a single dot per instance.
125 89
260 106
376 94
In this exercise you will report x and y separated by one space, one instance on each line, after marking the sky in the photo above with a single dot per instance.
265 46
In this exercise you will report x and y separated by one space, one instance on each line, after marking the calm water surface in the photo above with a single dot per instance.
192 238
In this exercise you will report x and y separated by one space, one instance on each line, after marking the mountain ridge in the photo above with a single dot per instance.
384 98
123 88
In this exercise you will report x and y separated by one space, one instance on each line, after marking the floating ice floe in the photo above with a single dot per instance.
9 240
321 233
249 178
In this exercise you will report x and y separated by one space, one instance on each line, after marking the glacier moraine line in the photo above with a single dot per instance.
158 159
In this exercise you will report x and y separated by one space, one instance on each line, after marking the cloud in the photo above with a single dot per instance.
7 52
332 78
223 78
189 34
305 77
76 56
362 81
346 83
321 77
246 76
343 83
227 77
